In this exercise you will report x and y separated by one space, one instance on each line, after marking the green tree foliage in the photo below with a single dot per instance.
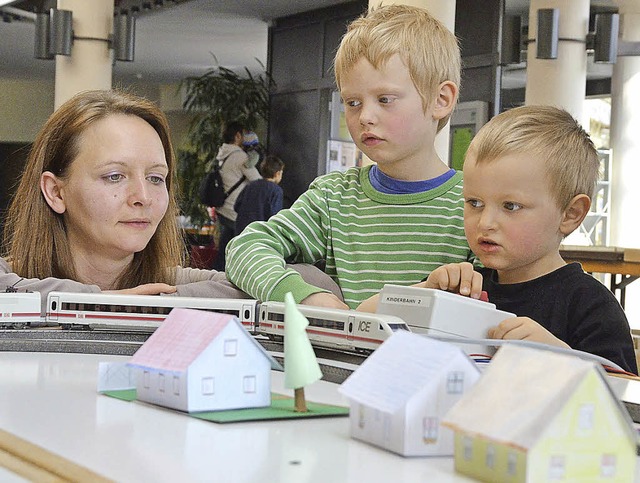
218 96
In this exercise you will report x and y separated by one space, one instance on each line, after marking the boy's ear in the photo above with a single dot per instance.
51 186
574 214
446 100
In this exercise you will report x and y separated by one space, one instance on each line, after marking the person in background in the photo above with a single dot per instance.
235 167
398 71
261 199
96 209
529 176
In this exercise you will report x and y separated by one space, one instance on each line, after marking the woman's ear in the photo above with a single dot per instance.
574 213
446 100
51 187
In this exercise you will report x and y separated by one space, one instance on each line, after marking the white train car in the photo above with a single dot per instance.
19 309
333 328
93 310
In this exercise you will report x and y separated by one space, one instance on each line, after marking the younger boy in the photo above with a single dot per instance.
262 198
398 71
529 176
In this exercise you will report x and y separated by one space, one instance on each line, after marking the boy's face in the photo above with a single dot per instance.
511 220
386 119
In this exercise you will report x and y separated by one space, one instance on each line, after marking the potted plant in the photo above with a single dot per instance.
218 96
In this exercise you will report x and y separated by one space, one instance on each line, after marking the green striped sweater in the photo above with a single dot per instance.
367 238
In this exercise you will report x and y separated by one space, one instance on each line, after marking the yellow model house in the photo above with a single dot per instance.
541 416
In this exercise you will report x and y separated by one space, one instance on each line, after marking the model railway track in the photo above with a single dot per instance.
336 365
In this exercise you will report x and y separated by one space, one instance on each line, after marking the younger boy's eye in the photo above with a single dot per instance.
511 206
385 100
474 203
352 103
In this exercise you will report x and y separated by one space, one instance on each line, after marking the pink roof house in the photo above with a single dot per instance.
203 361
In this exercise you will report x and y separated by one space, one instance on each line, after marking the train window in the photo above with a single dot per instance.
350 326
326 324
54 304
277 317
247 314
395 327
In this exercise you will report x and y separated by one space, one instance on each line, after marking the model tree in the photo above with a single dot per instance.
300 363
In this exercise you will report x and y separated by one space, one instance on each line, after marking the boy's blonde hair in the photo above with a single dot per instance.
552 135
428 49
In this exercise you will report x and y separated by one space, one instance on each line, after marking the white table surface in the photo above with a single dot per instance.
50 399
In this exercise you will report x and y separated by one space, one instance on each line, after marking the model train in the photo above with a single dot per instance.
333 328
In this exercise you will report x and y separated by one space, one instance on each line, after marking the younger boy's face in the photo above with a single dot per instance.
386 119
511 220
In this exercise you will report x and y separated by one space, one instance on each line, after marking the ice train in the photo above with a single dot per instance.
332 328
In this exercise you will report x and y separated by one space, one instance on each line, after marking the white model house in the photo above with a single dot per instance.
542 416
400 394
203 361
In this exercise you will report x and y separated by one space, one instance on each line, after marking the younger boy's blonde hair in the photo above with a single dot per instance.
552 135
428 49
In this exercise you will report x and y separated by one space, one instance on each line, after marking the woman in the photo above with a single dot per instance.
96 207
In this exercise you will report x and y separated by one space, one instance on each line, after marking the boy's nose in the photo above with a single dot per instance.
367 116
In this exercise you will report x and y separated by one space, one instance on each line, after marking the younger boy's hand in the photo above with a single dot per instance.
325 299
456 277
524 328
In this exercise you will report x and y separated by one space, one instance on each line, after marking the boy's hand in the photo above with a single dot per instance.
456 277
325 299
146 289
524 328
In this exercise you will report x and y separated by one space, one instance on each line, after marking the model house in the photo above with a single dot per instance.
203 361
542 416
400 394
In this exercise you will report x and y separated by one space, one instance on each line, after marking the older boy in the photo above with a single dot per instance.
398 71
529 176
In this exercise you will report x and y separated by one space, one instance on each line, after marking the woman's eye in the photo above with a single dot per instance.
114 177
156 179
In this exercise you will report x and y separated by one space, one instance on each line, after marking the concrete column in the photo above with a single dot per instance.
560 82
445 11
625 143
90 64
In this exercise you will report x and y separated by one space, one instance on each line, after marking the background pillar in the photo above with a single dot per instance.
90 64
560 82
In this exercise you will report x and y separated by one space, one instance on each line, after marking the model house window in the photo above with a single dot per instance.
556 467
208 386
608 466
230 347
146 378
249 384
430 430
490 458
455 382
176 385
585 416
467 448
161 382
512 463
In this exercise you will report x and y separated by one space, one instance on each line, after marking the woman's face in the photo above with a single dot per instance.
115 194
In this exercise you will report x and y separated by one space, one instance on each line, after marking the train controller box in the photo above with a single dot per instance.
439 313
